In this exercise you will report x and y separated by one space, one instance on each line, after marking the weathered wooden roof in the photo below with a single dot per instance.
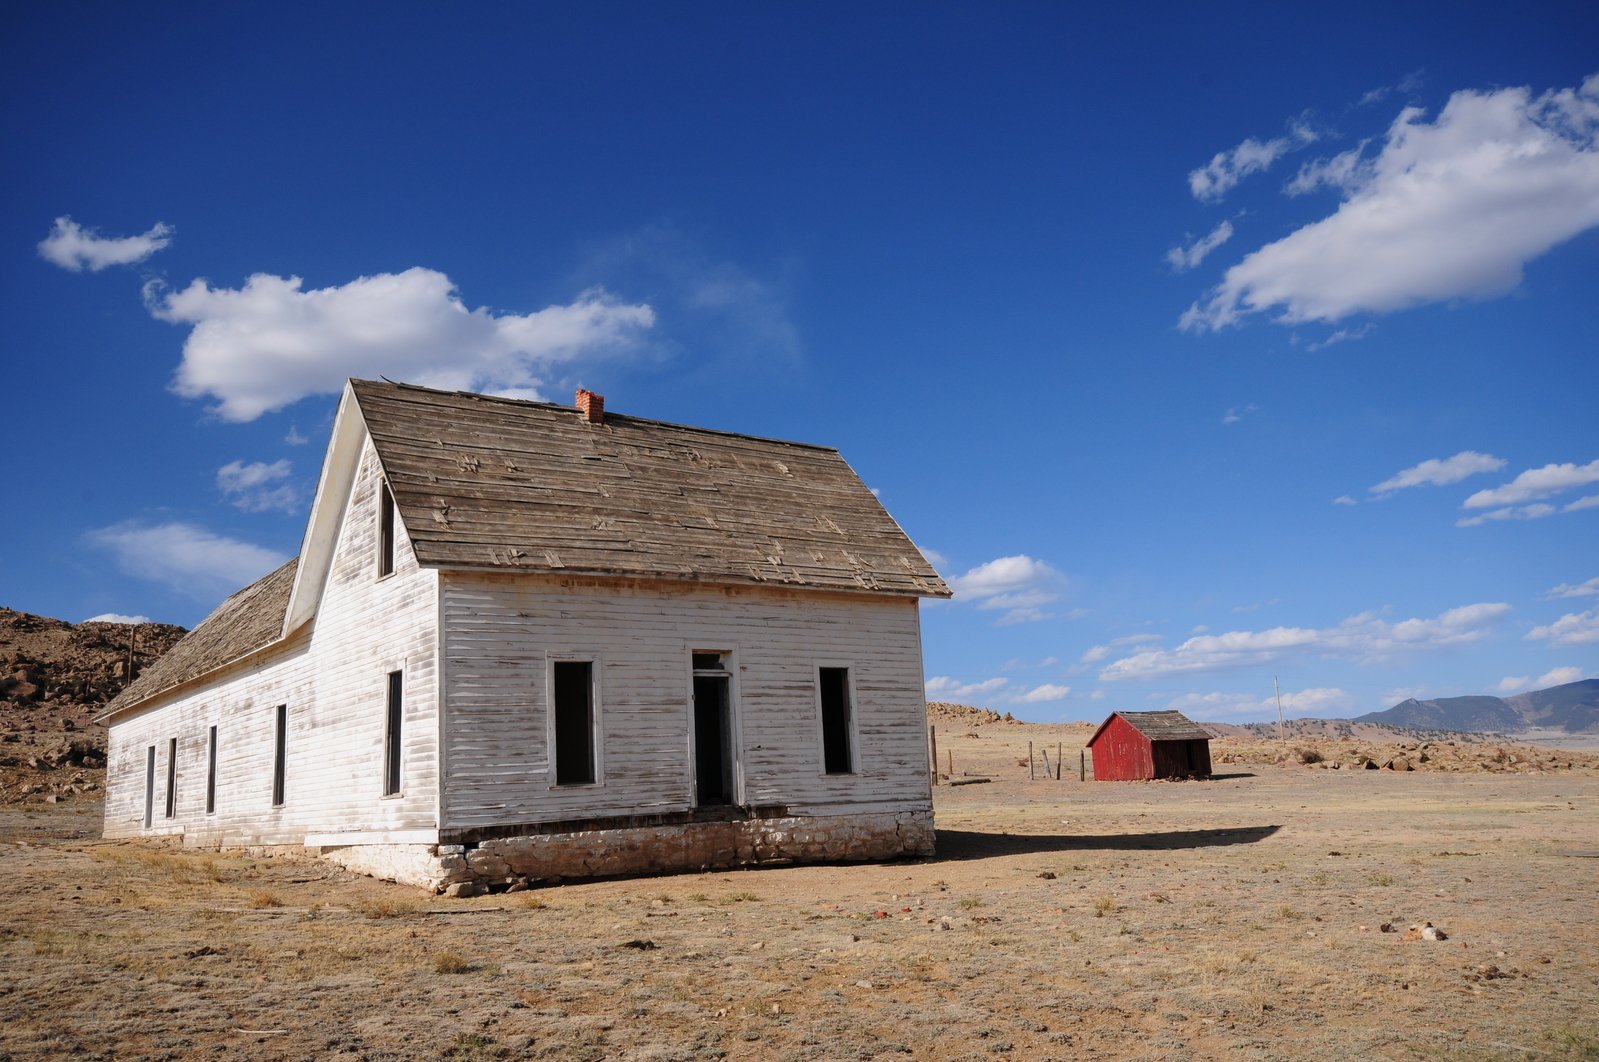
530 486
1159 726
247 621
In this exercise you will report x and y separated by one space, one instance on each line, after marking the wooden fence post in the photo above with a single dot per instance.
932 738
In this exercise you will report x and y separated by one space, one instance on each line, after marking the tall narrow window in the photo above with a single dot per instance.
385 531
573 703
391 736
149 787
280 753
837 757
211 772
172 777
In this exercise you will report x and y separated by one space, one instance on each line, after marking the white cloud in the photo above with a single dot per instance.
1362 637
1536 511
1439 472
271 343
1590 502
1341 172
75 248
1237 413
258 486
185 558
1097 695
1447 209
117 617
1343 335
1243 707
1574 628
1100 652
1344 499
1183 259
1513 684
1223 172
1046 692
1587 589
1536 483
1021 585
294 438
945 688
1558 676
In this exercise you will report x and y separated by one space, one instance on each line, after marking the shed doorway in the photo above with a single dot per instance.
713 731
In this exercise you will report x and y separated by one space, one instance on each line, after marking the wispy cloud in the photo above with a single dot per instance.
1448 209
1362 637
258 486
185 558
270 343
1587 589
1440 472
1345 499
1222 173
1237 707
992 691
1343 335
945 688
1182 259
1019 585
1535 511
1238 413
1099 652
734 315
1536 483
117 617
75 248
1557 676
1574 628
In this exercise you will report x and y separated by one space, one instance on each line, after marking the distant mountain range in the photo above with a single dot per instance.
1573 708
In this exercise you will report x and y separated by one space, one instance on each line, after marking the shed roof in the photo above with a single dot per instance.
494 482
1159 726
249 620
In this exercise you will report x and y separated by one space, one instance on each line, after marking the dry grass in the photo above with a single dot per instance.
1183 920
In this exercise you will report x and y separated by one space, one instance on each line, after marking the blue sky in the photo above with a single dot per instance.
1197 346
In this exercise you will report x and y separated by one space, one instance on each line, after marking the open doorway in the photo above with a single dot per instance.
713 730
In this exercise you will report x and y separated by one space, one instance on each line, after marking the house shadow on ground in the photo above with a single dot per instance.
957 845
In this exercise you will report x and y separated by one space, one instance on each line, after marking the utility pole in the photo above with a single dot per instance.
1279 690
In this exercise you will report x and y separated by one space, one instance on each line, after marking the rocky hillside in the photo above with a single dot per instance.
55 677
1573 707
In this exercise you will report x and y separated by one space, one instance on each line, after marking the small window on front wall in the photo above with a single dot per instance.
149 787
392 745
211 772
572 701
385 530
280 753
838 757
172 777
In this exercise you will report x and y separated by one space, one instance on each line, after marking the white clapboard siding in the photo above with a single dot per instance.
333 677
501 632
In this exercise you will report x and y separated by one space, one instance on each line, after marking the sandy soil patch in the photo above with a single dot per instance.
1237 918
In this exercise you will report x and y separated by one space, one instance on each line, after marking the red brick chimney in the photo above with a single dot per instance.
591 405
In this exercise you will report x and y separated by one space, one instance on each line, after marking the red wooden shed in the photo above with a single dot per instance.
1134 746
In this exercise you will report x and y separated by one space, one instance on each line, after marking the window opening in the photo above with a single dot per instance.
713 739
836 752
574 722
391 736
385 530
149 787
211 772
280 752
172 777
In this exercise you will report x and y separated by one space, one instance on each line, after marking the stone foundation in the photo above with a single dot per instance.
644 850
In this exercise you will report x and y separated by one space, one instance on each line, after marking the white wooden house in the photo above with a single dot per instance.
525 639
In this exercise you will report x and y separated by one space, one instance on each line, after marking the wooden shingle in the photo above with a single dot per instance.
485 482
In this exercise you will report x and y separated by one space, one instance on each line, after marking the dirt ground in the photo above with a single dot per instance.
1239 917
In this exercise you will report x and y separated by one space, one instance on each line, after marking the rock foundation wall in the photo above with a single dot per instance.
644 850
